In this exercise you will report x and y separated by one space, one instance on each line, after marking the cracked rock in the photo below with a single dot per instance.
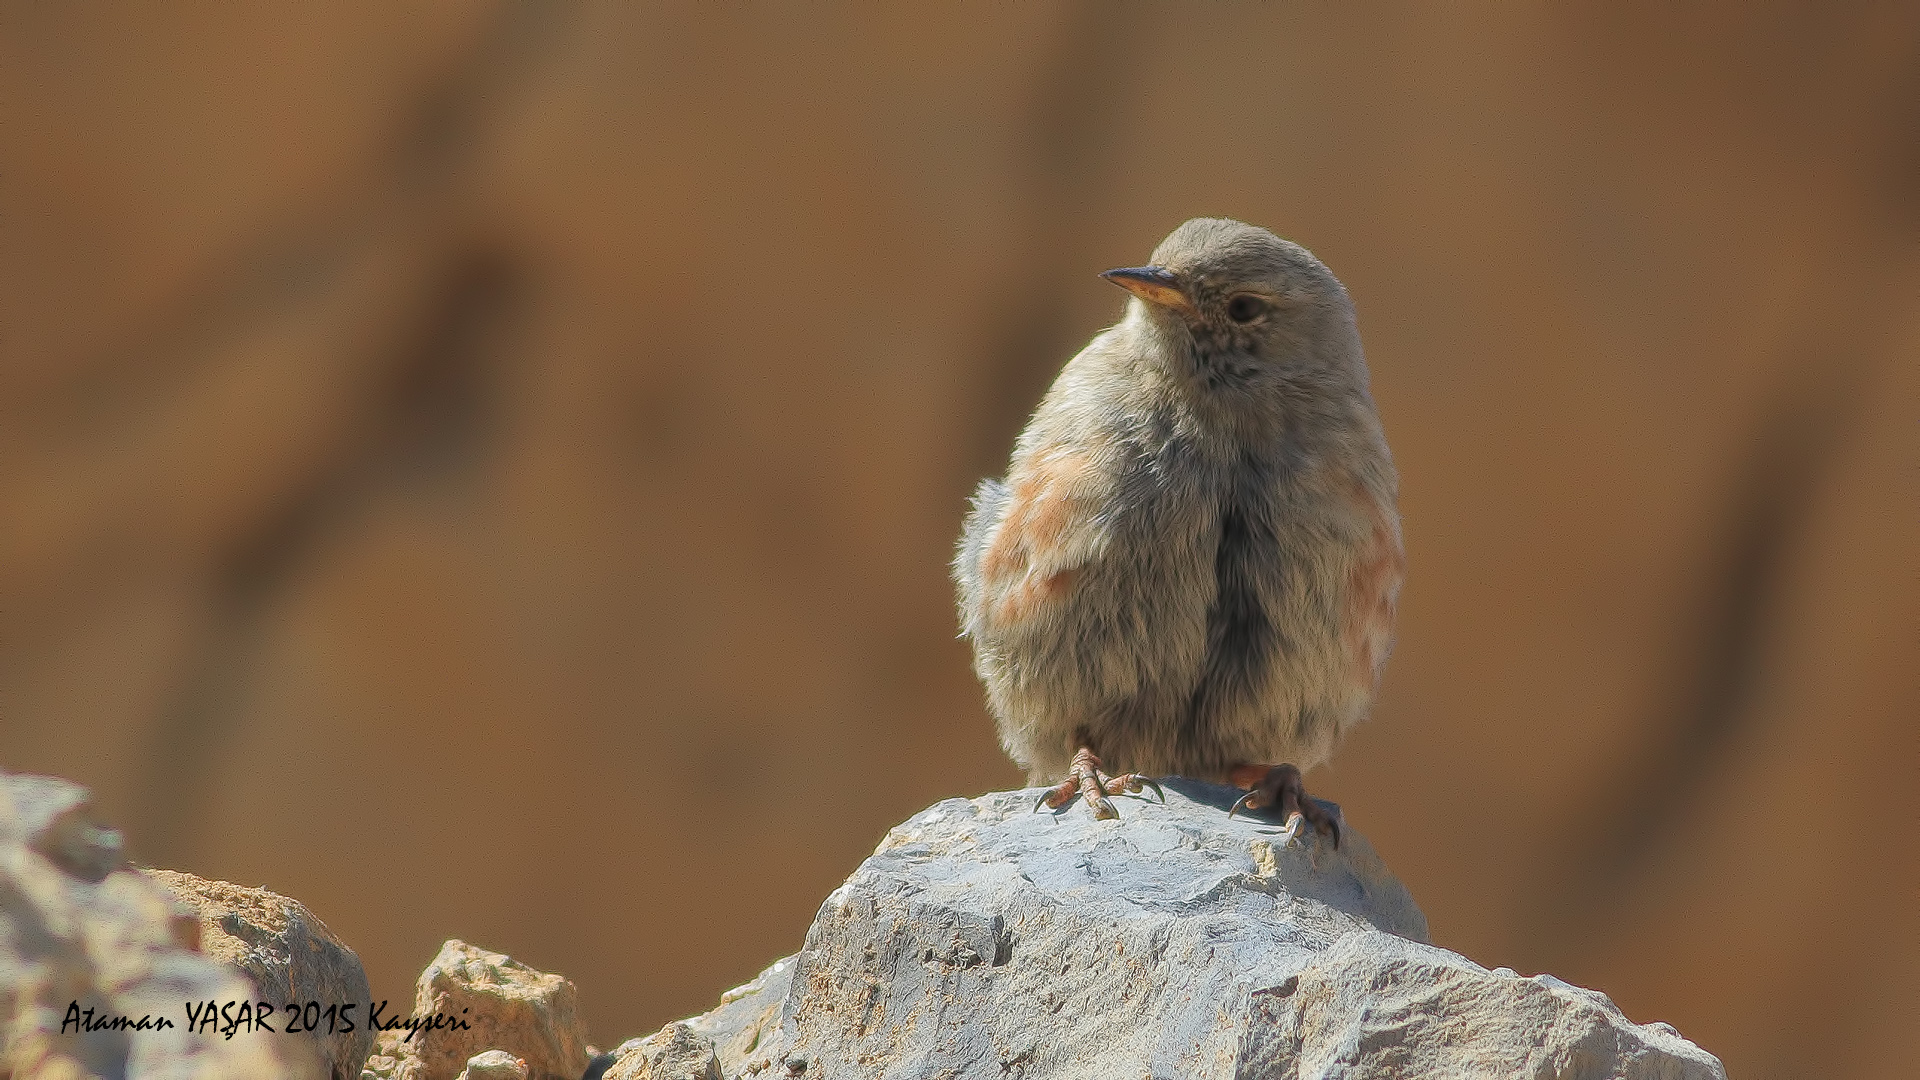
983 940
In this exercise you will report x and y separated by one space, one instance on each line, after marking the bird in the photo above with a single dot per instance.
1192 564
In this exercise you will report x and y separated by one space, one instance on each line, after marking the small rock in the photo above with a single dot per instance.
486 1001
292 958
675 1052
384 1063
494 1065
86 940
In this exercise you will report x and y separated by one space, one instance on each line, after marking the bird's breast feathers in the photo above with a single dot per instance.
1050 528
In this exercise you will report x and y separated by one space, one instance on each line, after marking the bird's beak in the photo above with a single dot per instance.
1155 285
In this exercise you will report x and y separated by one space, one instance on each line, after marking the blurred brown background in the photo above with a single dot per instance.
487 469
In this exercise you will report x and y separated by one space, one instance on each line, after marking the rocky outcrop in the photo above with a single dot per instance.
985 940
97 973
474 1001
982 940
291 956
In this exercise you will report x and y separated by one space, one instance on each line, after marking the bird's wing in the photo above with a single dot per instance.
1373 590
1046 532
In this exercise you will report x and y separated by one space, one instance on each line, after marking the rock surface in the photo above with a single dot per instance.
503 1005
291 956
79 930
494 1065
983 940
675 1052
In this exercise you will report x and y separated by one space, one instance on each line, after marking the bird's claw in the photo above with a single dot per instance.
1281 787
1058 795
1291 830
1086 781
1133 784
1288 832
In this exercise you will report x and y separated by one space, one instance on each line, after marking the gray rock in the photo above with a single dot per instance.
748 1017
85 939
675 1052
292 959
985 940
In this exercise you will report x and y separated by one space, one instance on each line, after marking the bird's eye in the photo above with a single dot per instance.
1245 309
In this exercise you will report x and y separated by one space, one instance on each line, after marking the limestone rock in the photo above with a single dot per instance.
675 1052
983 940
748 1016
80 931
503 1005
291 956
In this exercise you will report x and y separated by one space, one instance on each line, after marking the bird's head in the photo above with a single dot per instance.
1237 308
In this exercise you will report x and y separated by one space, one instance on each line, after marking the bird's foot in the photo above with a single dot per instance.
1279 785
1085 779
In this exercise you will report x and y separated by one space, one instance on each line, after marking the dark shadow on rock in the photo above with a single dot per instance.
1225 795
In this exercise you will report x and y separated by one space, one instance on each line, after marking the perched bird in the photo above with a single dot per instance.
1192 564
